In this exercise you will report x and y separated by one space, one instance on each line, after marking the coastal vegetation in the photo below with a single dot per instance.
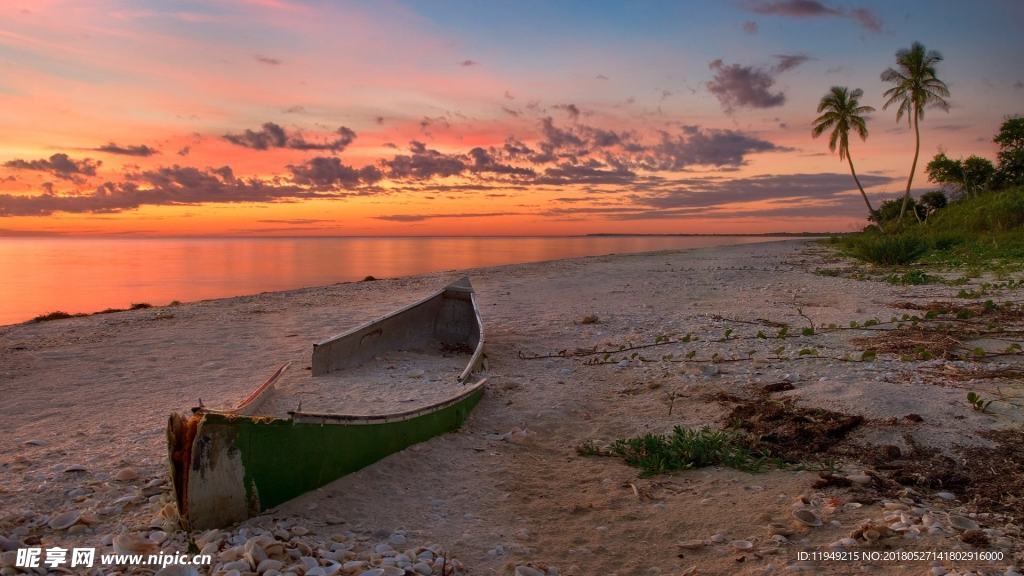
974 217
841 112
683 449
916 87
986 229
61 315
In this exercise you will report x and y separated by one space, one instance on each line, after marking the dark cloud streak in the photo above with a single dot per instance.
327 172
272 135
174 185
815 9
60 165
423 217
141 150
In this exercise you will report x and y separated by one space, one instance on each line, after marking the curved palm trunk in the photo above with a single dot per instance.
849 158
913 168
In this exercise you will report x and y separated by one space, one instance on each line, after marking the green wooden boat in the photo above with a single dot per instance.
227 465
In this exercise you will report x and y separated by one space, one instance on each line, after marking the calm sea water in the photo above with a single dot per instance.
41 275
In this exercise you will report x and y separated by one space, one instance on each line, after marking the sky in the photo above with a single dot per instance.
282 117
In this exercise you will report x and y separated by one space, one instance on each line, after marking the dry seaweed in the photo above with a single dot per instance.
791 432
916 341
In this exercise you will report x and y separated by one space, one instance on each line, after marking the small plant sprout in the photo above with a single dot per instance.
977 402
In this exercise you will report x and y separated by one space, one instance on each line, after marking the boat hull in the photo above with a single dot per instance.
243 465
226 466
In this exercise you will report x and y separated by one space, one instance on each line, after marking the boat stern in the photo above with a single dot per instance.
207 472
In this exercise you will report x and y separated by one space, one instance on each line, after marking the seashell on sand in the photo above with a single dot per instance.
962 522
133 544
65 520
806 517
126 475
844 543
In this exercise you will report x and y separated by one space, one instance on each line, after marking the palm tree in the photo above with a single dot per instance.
841 112
915 87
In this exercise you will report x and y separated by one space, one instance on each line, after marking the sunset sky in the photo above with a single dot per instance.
281 117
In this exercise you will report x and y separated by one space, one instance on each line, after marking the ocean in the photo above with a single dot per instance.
82 275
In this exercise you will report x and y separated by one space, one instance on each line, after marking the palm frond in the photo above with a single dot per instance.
860 126
820 126
841 111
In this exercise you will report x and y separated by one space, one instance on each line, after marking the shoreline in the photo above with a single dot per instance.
87 398
64 314
500 236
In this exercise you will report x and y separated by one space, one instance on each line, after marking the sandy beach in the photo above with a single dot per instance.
85 402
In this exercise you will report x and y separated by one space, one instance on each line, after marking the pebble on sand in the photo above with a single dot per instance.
126 475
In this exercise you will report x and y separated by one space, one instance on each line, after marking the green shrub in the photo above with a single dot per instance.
687 448
887 249
976 230
933 201
943 241
888 213
989 212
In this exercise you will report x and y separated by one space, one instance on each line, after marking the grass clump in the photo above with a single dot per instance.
58 315
686 448
885 249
